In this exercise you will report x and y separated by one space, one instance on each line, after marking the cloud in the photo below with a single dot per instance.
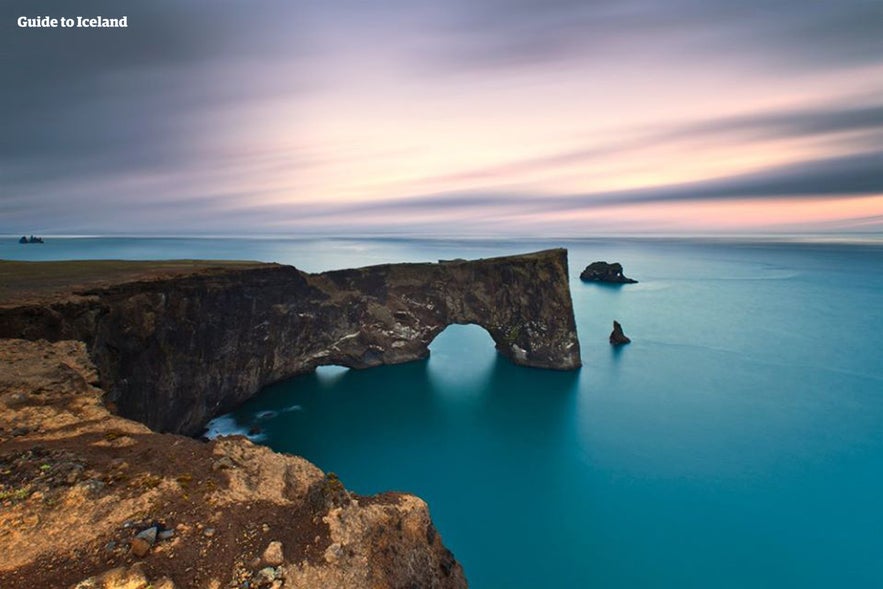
117 128
801 124
512 33
792 124
843 177
230 211
863 223
79 105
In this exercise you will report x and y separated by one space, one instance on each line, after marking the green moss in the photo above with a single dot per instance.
15 494
512 334
327 493
334 486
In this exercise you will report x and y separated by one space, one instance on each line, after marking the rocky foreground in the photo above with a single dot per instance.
97 358
78 485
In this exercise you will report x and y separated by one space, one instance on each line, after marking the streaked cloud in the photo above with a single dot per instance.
781 33
846 177
429 115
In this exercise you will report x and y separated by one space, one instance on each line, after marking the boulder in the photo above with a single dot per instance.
273 554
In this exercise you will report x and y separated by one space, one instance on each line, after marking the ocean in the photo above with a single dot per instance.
736 442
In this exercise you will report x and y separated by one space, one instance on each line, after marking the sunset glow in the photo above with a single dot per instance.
448 118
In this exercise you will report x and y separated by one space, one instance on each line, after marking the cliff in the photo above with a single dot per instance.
183 344
90 497
79 484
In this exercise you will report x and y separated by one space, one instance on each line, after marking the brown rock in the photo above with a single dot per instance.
273 555
333 552
132 577
223 462
140 547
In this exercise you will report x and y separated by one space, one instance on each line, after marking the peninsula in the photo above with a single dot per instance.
94 347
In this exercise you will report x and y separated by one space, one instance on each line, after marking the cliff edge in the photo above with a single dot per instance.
81 487
91 498
176 345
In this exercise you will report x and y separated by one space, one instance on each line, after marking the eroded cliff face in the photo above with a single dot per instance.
79 485
171 344
174 351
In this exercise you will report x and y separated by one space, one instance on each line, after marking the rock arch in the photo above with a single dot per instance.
172 352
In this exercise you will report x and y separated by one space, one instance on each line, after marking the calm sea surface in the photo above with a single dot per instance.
737 442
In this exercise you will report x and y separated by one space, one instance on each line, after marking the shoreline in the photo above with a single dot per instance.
82 483
109 344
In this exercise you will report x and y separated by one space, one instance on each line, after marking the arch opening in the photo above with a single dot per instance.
461 350
330 373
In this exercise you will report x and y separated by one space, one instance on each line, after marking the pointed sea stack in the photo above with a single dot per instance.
604 272
617 337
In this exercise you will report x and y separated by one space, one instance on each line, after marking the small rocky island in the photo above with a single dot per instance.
617 337
604 272
103 356
31 239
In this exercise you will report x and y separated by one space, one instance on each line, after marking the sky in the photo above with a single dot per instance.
443 117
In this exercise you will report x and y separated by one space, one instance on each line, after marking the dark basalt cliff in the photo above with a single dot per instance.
175 350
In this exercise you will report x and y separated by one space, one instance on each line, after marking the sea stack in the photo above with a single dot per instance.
617 337
604 272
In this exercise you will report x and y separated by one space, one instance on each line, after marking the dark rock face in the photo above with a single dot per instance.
617 337
172 353
604 272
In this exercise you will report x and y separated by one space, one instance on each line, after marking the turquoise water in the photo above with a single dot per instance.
737 442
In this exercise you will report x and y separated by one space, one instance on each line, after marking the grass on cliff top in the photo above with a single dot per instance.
22 282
